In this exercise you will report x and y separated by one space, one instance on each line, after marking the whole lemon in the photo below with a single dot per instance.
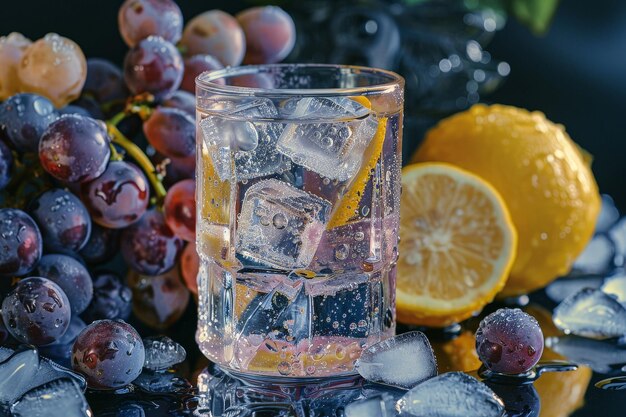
541 175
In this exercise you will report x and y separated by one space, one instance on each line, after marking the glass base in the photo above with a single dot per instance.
280 382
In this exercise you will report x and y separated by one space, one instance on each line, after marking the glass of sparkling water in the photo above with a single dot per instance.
298 193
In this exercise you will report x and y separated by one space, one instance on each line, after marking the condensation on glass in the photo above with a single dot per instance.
298 193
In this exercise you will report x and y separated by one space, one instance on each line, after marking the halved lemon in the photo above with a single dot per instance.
457 245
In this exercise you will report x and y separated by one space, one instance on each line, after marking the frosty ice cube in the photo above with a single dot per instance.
616 286
280 226
591 313
377 406
251 145
597 258
60 397
562 288
453 394
162 353
608 214
402 361
333 149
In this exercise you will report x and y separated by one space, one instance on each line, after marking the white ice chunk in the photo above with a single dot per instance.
401 361
562 288
616 286
591 313
377 406
453 394
61 397
598 256
617 233
162 353
608 214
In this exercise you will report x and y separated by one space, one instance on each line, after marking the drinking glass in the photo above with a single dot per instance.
298 198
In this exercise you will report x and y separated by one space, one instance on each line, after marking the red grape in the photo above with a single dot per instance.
20 241
6 164
109 354
138 19
153 66
111 298
105 81
149 246
270 34
171 132
215 33
36 312
195 66
71 276
180 209
189 266
182 100
101 246
119 197
24 118
75 148
509 341
12 49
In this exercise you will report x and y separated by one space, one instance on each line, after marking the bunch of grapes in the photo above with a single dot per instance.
96 159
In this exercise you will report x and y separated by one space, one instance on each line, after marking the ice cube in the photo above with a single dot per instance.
61 397
591 313
602 356
608 214
162 353
617 233
598 256
616 285
453 394
562 288
244 135
377 406
333 148
279 225
401 361
162 382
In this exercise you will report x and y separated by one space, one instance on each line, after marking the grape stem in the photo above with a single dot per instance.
138 155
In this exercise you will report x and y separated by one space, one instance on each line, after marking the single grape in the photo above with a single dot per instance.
119 197
509 341
270 34
36 312
182 100
189 266
158 301
75 148
171 132
74 109
105 81
63 220
215 33
21 243
71 276
153 66
111 298
6 164
138 19
54 67
101 246
109 354
24 118
180 209
149 246
196 65
12 49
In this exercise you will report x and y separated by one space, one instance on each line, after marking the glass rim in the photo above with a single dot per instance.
206 81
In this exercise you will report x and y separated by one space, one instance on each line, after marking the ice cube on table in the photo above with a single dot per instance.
453 394
376 406
591 313
279 225
401 361
616 285
562 288
162 353
597 257
241 134
602 356
608 214
327 135
162 382
61 397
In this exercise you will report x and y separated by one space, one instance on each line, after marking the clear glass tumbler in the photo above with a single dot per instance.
298 193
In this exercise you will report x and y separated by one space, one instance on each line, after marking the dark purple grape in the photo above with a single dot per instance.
195 66
62 219
270 34
509 341
149 246
105 81
171 132
36 312
109 354
74 109
153 66
111 298
138 19
180 209
20 241
119 197
101 246
182 100
6 164
75 148
24 118
71 276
